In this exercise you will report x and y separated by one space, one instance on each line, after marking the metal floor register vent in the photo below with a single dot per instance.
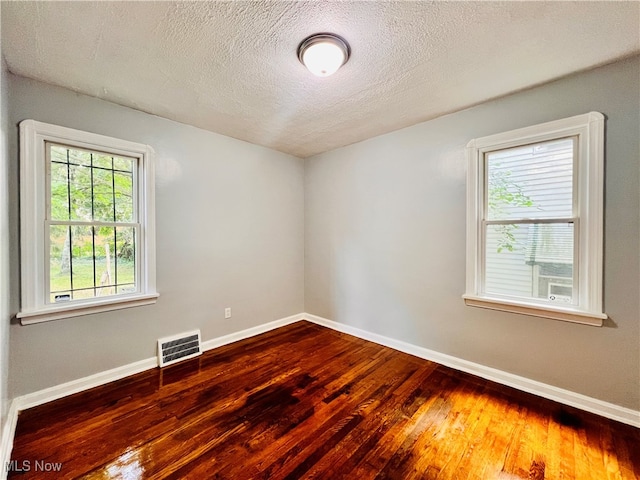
179 347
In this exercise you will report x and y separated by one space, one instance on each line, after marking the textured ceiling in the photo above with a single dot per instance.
231 67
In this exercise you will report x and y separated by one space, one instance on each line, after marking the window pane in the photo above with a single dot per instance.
59 191
533 181
105 261
58 153
126 259
80 191
102 161
123 183
123 164
59 262
82 271
530 260
103 195
79 157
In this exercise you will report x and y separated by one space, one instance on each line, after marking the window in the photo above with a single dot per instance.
534 220
87 223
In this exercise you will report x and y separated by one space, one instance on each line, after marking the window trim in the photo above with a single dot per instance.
589 174
33 201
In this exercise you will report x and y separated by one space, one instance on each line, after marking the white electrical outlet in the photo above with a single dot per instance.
227 312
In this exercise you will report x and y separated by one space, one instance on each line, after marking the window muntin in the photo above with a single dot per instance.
554 222
91 220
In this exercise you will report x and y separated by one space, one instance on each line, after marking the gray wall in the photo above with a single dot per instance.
385 240
4 243
373 233
229 234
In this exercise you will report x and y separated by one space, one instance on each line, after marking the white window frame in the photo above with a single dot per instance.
34 193
588 196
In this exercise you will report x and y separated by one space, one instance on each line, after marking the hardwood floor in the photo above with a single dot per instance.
308 402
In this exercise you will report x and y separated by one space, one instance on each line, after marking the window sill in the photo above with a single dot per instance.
59 311
566 314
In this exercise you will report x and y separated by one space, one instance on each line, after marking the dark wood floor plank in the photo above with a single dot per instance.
345 413
327 458
386 413
307 402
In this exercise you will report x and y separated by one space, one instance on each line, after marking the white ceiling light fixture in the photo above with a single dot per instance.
324 53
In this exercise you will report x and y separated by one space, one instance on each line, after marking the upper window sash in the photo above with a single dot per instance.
588 130
134 173
510 217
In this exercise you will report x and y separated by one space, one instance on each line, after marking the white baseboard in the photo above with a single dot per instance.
250 332
566 397
65 389
6 438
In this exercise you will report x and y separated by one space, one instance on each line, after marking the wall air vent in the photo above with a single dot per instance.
179 347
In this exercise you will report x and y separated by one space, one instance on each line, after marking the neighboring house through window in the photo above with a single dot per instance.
534 220
87 223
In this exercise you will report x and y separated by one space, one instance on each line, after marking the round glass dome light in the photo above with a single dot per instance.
323 53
